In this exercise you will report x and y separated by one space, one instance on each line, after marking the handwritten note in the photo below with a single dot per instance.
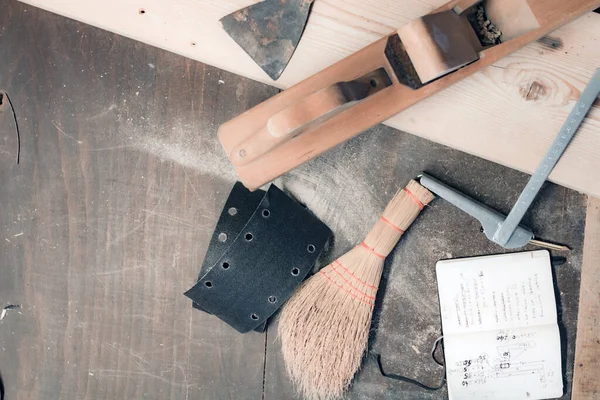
501 337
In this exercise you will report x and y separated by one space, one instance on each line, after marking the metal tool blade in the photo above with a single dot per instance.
269 31
505 230
487 217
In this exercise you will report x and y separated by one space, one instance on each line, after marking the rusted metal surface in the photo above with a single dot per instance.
269 31
401 64
365 86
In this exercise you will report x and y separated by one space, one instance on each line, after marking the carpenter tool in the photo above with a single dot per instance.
507 231
269 31
420 59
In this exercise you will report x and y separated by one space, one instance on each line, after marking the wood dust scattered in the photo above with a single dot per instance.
185 145
333 187
487 32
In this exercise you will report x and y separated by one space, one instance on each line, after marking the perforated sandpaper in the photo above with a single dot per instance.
257 259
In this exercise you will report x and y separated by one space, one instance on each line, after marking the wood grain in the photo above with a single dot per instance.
515 107
587 355
106 219
372 110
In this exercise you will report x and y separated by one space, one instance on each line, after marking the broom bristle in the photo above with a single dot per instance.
324 327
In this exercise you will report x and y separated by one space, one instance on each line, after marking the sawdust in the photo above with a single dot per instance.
335 186
346 209
195 157
487 32
332 186
334 189
183 144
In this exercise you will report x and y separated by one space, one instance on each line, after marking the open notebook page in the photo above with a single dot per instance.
501 338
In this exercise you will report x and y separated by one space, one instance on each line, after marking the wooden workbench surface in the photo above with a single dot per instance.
508 113
106 219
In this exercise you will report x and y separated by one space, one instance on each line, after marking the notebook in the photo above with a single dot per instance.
501 337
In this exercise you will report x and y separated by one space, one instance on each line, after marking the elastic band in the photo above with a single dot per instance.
372 250
351 285
345 290
355 277
415 199
387 221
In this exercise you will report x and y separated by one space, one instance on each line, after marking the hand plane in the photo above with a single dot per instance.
418 60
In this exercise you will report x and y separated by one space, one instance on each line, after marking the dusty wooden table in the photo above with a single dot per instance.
106 220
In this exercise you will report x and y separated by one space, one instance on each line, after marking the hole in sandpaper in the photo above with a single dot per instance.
232 211
222 237
311 248
249 236
295 271
225 265
272 299
266 213
254 317
208 284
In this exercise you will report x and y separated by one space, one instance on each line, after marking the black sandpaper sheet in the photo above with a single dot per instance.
239 207
254 263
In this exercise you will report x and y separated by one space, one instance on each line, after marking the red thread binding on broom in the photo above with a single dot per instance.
415 199
345 290
387 221
350 284
372 250
355 277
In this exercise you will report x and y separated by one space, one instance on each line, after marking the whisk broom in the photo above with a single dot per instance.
324 327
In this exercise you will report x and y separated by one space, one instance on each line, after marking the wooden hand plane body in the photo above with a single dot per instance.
386 77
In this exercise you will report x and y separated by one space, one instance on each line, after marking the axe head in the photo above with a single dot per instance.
269 31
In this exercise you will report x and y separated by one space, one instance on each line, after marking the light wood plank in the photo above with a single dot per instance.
507 113
246 140
587 354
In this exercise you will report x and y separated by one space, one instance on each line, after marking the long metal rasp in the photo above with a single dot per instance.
566 133
507 231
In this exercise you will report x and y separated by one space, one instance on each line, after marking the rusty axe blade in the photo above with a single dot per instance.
269 31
